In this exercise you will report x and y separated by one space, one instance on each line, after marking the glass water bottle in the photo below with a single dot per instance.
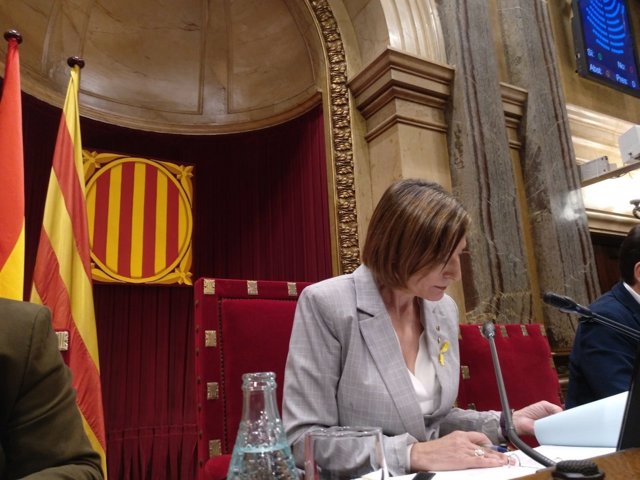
261 450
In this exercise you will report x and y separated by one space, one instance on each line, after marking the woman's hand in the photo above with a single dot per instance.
456 451
523 419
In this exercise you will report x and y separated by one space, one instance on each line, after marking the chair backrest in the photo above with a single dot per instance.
241 326
525 360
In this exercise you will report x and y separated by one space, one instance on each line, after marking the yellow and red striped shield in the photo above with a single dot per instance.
140 219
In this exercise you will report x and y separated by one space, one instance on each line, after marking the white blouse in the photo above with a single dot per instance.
425 381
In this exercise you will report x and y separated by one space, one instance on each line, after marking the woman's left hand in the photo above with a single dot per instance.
523 419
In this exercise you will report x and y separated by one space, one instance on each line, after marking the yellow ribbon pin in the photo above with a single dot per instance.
443 350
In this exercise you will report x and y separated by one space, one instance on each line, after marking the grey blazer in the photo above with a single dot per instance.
345 367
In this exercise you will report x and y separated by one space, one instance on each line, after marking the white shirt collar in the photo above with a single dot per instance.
633 293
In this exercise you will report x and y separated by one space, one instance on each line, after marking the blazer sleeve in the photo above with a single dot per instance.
487 422
311 376
606 360
44 435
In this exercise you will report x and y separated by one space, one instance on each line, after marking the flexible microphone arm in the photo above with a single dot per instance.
567 305
489 331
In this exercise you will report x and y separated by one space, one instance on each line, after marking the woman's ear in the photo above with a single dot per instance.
636 274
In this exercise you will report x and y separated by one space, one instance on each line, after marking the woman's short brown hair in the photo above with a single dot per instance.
416 225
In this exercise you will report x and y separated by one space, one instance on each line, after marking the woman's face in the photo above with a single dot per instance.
431 284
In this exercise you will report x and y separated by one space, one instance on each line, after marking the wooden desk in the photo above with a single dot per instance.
623 465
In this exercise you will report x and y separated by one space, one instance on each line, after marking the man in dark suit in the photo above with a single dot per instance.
602 359
41 432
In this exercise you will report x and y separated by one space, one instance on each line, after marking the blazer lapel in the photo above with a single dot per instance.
447 370
379 336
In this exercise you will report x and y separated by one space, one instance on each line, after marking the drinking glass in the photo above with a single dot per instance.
345 453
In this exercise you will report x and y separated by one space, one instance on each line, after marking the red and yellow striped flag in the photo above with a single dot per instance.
12 171
62 273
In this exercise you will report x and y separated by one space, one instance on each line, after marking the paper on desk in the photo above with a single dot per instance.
595 424
527 465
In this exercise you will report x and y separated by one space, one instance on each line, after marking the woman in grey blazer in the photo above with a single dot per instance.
379 347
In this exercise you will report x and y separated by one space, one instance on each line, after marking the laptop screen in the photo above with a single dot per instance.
630 430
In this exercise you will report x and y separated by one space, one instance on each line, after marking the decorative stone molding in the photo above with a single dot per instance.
397 76
607 202
341 137
513 103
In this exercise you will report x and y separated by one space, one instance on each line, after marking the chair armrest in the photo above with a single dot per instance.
216 468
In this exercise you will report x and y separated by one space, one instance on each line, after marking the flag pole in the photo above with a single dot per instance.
12 236
73 61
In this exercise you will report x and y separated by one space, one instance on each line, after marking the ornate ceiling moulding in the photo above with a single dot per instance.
341 137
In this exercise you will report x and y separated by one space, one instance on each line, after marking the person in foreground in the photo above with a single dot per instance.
602 359
379 347
41 432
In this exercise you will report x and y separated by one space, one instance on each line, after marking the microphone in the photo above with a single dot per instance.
567 305
489 331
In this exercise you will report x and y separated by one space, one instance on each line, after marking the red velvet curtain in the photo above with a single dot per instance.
260 212
147 369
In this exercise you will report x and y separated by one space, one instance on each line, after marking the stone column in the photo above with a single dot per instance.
563 250
498 277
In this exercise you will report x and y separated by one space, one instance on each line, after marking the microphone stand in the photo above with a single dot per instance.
489 331
592 316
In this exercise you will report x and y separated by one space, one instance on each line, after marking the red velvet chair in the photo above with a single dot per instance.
240 327
526 363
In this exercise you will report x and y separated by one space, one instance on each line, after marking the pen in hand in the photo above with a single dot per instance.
496 448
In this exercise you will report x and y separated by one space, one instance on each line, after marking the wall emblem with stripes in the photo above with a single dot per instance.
140 219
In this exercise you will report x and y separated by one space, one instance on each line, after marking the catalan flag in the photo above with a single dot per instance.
12 183
62 273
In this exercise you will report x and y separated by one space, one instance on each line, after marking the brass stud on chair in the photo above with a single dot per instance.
215 448
63 340
210 338
212 390
209 286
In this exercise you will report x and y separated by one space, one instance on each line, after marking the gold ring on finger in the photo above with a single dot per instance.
478 452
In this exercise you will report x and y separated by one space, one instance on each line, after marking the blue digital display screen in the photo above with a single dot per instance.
605 46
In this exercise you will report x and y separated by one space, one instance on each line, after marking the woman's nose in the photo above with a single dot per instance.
452 268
